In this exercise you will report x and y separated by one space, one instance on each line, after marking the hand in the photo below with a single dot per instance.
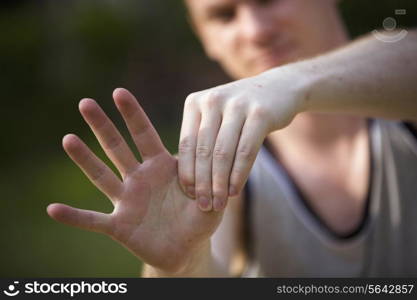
223 129
152 217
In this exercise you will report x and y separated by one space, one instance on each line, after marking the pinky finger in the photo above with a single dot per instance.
252 137
84 219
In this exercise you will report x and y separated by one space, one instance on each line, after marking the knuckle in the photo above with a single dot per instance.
82 156
203 190
97 174
141 130
215 94
191 98
246 153
260 113
113 142
185 146
213 98
118 231
237 105
210 102
203 151
220 154
236 176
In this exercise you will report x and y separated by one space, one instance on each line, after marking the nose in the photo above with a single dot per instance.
256 25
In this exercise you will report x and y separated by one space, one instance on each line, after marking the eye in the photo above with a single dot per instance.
265 2
223 14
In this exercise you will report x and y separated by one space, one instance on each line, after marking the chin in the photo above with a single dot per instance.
274 62
265 67
259 67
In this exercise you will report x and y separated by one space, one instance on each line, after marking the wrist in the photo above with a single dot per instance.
197 264
304 79
289 87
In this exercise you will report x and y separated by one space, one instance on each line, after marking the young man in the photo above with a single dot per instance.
331 193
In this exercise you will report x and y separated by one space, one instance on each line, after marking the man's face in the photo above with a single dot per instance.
248 37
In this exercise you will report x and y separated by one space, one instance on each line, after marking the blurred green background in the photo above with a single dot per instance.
52 54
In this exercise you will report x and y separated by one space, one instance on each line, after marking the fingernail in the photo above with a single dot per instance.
232 191
204 203
191 191
218 204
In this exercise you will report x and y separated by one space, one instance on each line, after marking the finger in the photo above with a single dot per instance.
223 157
140 127
108 136
97 171
253 134
187 148
84 219
210 123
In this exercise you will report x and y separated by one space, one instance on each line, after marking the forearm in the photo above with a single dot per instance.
368 78
202 264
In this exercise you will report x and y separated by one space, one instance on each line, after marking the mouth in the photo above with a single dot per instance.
274 57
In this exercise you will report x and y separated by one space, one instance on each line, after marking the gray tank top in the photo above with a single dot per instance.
287 239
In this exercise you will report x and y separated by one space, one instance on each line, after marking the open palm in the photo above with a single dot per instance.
152 217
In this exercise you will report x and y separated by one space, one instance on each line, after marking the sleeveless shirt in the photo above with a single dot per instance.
287 239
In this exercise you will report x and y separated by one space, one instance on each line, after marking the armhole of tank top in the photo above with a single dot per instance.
412 129
247 219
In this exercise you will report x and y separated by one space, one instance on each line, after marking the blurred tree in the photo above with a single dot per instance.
53 53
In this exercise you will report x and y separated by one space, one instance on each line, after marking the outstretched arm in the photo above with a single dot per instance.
224 127
369 78
152 217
